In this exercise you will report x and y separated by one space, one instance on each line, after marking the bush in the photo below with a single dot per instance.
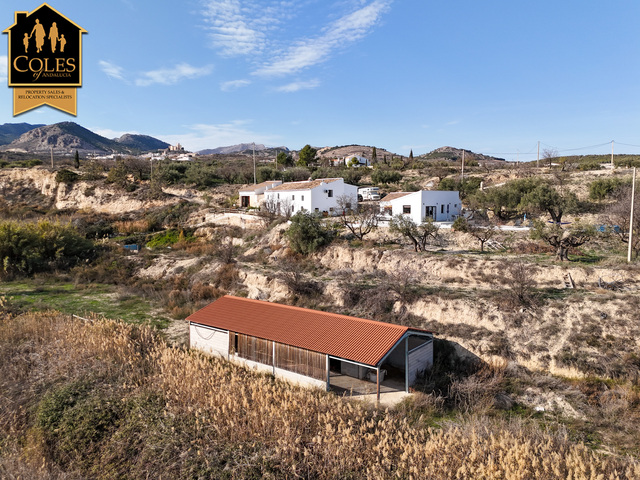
307 233
66 176
31 248
381 176
170 237
603 187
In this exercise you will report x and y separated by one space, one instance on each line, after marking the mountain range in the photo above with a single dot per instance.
67 137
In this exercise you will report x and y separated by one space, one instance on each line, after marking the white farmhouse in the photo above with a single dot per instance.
361 161
253 195
319 195
439 205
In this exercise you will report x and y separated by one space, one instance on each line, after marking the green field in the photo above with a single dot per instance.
107 301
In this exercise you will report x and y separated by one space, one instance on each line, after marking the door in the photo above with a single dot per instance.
430 212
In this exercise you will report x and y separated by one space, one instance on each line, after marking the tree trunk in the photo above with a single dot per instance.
562 253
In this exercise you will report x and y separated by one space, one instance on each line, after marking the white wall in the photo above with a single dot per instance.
424 198
315 198
209 340
420 358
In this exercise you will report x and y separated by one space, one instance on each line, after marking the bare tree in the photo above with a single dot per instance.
360 219
548 155
273 208
562 239
482 230
617 216
420 235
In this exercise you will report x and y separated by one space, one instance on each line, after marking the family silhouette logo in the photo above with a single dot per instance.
45 60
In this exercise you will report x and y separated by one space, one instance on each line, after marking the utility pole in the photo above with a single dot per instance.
254 163
538 161
611 153
633 194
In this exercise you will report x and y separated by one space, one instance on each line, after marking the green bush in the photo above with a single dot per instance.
66 176
31 248
307 233
170 237
384 176
603 187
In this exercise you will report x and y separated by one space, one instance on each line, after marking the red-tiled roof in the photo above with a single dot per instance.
306 185
252 188
351 338
394 195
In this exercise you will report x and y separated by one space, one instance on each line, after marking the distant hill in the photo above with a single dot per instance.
455 154
10 131
232 149
361 150
67 137
144 143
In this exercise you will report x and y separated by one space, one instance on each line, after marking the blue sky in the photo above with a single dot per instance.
494 77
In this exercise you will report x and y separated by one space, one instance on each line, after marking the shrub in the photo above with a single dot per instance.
380 176
66 176
603 187
31 248
307 233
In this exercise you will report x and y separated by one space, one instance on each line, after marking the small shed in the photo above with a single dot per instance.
308 346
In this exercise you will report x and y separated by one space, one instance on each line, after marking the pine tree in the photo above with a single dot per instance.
374 155
411 155
76 160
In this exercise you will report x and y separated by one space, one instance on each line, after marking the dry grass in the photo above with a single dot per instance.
108 400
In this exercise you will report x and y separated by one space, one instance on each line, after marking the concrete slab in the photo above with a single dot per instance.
391 390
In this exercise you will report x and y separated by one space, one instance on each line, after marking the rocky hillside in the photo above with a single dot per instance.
346 150
67 137
455 154
143 143
11 131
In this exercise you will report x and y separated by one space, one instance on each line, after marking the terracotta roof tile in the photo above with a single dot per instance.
351 338
394 195
303 185
253 188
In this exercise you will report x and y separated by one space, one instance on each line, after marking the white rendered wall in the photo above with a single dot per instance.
214 342
420 359
425 198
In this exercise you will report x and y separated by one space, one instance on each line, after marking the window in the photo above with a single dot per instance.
447 208
302 197
329 193
278 196
293 197
406 209
441 208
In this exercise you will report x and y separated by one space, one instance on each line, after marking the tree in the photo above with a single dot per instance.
420 235
411 156
505 201
381 176
483 231
618 214
374 156
545 198
548 155
307 233
76 160
284 159
360 219
306 156
562 239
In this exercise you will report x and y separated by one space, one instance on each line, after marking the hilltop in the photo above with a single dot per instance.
66 137
11 131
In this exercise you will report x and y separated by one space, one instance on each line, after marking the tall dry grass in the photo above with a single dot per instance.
170 413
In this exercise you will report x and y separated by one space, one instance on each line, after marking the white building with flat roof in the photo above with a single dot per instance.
319 195
439 205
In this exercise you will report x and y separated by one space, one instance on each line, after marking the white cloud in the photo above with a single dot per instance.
171 76
233 85
203 136
111 69
4 68
308 52
295 86
230 28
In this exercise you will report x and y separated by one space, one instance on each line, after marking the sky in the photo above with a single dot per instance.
494 76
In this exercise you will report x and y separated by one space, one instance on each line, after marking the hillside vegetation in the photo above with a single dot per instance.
108 400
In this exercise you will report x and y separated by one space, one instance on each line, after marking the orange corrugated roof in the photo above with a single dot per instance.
307 185
351 338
